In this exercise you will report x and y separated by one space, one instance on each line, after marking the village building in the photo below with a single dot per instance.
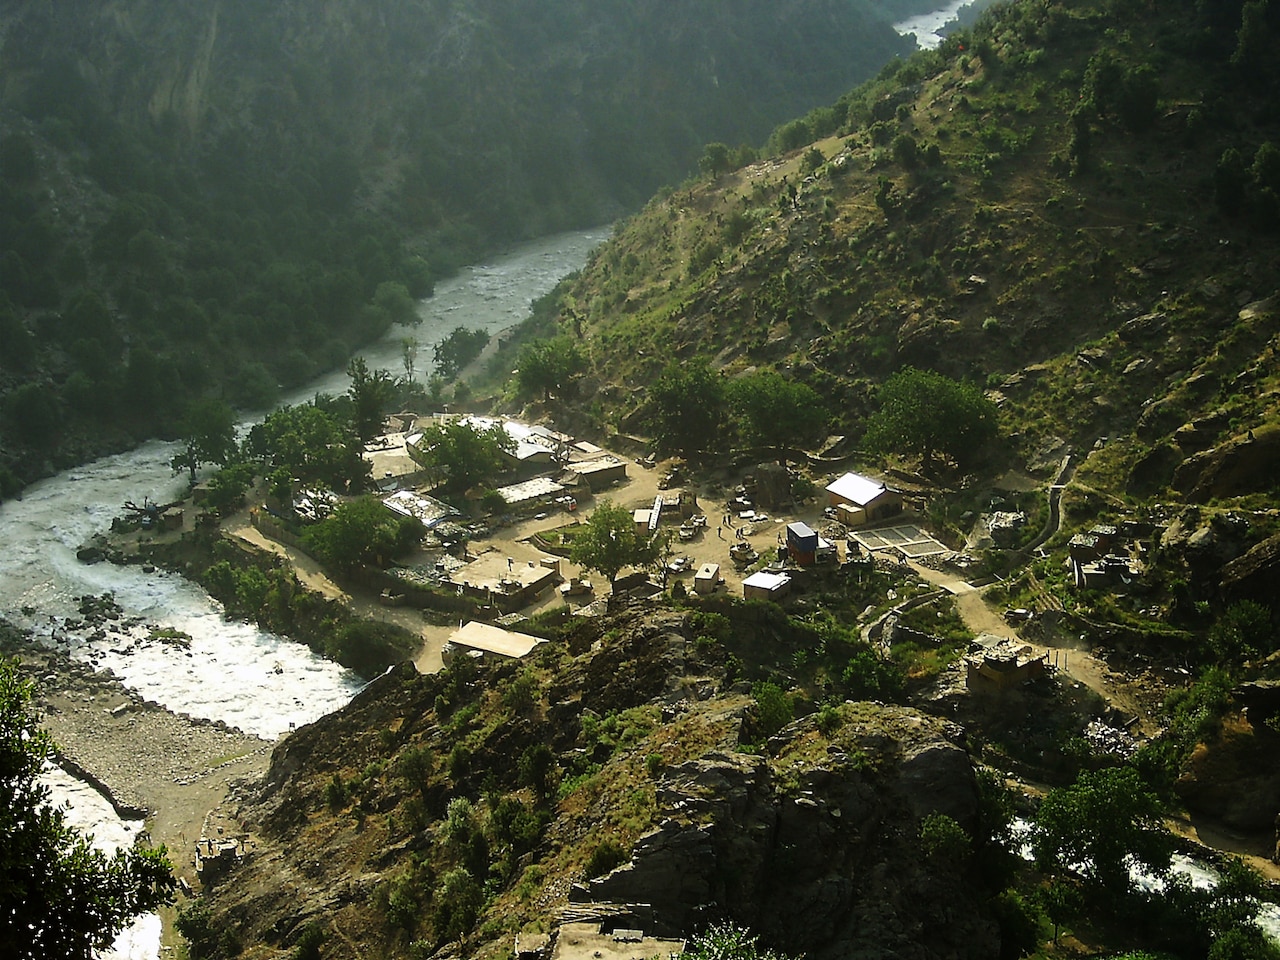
998 664
595 941
859 501
802 543
598 472
426 509
707 578
763 585
535 445
529 492
483 639
390 463
505 583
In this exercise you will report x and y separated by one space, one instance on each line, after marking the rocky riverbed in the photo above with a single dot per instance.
152 762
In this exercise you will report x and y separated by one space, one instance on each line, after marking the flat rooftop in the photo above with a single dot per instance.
490 639
584 941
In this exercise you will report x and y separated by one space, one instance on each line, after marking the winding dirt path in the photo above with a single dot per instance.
1071 659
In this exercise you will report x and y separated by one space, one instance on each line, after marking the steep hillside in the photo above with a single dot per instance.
444 815
223 198
1071 202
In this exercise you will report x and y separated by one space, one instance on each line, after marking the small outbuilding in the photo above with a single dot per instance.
707 578
766 586
484 639
598 472
802 543
996 664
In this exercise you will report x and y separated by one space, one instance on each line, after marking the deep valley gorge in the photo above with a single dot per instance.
867 545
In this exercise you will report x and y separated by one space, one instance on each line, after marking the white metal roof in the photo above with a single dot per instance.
766 580
856 488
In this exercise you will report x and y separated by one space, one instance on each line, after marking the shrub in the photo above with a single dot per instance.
604 858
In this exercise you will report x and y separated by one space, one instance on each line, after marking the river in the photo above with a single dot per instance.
929 28
233 672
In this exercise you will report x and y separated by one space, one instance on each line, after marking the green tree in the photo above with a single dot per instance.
361 531
1099 825
457 900
371 394
925 412
944 840
549 366
457 350
777 412
774 709
725 941
311 445
461 454
209 433
609 541
393 299
409 356
59 897
688 406
32 409
716 160
1241 633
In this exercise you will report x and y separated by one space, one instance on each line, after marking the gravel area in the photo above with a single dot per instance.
174 768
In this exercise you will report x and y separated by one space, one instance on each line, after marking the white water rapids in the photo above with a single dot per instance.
233 671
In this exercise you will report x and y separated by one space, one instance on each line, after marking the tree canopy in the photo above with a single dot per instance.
924 412
548 366
1100 824
362 531
310 444
610 541
775 411
59 897
461 454
209 432
372 393
688 406
725 941
457 350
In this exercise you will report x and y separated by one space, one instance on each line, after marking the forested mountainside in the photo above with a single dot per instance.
219 198
1069 204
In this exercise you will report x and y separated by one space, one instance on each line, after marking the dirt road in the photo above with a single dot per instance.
1072 659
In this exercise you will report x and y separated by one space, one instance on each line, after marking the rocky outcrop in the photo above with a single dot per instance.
1241 465
816 848
1255 575
1234 779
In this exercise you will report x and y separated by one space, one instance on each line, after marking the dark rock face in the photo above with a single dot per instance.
1255 575
1239 466
817 852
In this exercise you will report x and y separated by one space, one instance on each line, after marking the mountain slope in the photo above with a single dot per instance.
1007 200
208 198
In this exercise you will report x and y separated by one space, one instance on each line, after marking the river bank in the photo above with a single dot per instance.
148 761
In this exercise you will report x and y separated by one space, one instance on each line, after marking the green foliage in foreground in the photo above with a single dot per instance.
610 541
59 897
462 455
359 532
1100 824
729 942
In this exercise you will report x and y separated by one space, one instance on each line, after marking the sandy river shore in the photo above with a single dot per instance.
170 768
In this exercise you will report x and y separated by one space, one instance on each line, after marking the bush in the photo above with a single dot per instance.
604 858
773 708
308 945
